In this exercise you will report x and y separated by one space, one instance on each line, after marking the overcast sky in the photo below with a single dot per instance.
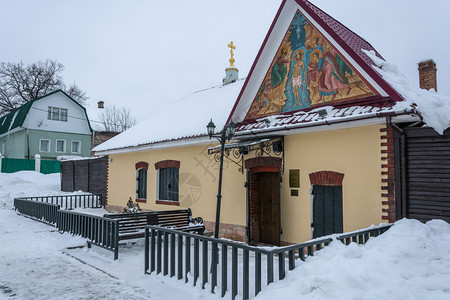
148 54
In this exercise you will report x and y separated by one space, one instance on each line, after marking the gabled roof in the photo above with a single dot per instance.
350 45
181 120
15 118
351 42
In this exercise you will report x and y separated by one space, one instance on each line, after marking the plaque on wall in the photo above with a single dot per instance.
294 193
294 178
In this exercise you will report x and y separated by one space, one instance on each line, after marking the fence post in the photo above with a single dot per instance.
1 158
37 163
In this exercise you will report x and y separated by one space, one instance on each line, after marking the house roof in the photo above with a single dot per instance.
189 117
184 119
351 43
327 115
15 118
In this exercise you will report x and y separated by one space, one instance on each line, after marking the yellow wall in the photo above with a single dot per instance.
355 152
199 174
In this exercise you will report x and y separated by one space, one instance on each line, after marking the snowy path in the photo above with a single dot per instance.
35 264
32 255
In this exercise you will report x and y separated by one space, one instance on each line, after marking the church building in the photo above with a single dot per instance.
320 136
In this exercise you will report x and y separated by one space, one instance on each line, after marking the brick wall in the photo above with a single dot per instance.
427 75
254 208
388 176
228 231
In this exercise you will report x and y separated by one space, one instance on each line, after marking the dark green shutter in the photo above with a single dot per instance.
168 184
327 210
141 189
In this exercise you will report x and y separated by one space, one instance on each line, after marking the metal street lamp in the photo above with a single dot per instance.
226 134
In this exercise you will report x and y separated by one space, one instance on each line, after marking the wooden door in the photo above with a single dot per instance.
327 210
269 208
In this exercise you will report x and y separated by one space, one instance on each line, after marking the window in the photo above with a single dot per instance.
168 182
64 114
57 114
60 146
44 145
141 184
141 181
76 147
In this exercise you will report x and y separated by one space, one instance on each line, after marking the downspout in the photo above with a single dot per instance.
247 207
28 144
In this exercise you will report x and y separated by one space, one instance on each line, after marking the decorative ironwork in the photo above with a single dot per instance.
235 152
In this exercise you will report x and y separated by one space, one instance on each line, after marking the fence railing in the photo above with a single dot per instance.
71 201
194 257
45 212
100 231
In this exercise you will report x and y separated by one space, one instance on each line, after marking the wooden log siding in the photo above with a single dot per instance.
427 174
89 175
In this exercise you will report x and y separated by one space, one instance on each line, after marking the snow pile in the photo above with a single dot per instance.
28 183
410 261
434 108
188 117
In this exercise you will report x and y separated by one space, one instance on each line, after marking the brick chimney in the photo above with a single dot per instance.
427 75
100 104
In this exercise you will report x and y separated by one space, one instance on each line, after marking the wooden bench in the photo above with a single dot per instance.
132 226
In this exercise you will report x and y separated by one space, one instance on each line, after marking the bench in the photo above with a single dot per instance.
132 226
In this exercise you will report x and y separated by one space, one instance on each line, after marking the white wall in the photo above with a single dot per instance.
76 118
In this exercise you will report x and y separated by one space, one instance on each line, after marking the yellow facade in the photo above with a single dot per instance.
355 152
199 175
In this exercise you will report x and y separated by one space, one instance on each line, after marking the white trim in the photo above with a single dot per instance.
71 147
49 145
12 131
197 141
64 146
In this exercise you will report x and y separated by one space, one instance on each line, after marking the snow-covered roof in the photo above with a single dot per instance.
333 115
433 107
94 113
187 118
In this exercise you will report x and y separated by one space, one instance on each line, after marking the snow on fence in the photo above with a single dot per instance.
71 201
164 254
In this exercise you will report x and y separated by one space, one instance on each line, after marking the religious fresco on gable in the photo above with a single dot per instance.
306 72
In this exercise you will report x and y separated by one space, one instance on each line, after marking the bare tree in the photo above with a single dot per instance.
20 83
117 119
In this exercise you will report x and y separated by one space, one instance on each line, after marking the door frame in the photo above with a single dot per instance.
261 165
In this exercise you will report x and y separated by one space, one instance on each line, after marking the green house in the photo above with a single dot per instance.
51 126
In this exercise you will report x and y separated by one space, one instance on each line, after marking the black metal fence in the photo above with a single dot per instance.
44 212
100 231
194 257
71 201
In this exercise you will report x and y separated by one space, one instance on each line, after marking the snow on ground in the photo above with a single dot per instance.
28 183
410 261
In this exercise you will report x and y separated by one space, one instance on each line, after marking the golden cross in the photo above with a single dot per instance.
232 47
